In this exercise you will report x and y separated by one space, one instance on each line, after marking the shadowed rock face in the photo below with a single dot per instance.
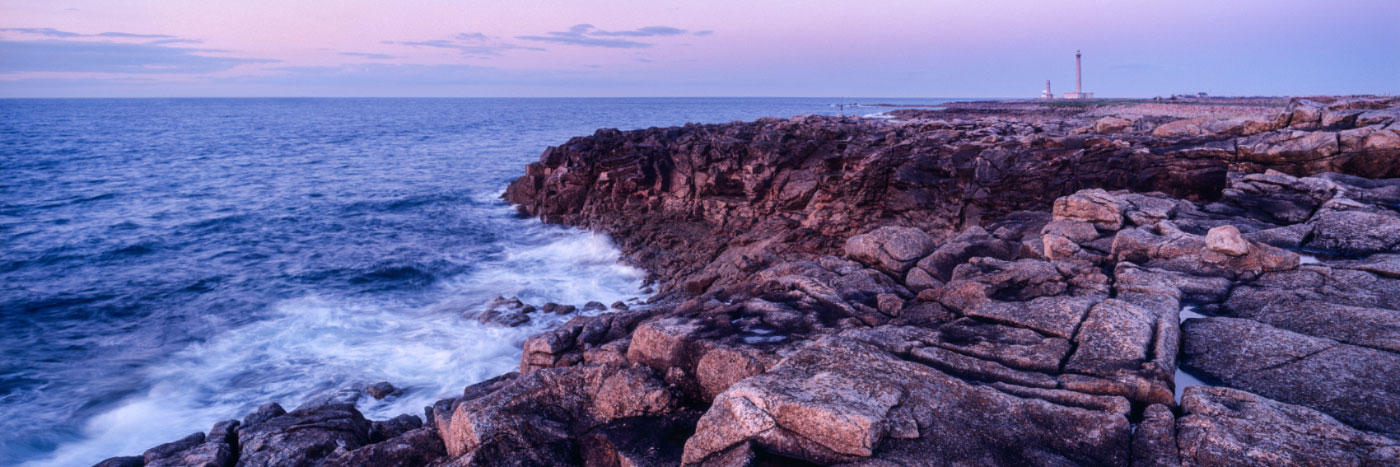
933 292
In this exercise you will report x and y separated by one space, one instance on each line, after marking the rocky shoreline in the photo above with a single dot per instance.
985 284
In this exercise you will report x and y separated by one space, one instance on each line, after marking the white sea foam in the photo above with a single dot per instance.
314 346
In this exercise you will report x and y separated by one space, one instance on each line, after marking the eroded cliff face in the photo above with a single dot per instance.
1003 292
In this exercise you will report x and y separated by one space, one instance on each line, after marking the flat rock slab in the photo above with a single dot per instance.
1224 426
841 400
1357 385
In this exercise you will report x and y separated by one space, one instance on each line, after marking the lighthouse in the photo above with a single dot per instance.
1046 94
1078 80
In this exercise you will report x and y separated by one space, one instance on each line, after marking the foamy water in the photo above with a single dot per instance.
313 346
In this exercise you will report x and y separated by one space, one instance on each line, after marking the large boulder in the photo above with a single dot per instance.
890 249
1297 153
536 417
1095 206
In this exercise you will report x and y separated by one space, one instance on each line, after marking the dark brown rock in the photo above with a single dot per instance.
416 447
381 390
302 437
122 461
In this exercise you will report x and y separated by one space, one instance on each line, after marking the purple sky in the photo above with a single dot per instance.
870 48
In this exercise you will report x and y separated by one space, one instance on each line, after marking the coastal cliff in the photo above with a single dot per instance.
1017 285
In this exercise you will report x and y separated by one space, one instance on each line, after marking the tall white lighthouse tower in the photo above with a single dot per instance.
1078 80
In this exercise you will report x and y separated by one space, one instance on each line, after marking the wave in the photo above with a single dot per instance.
397 275
314 346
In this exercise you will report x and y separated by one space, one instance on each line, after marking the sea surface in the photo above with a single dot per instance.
169 263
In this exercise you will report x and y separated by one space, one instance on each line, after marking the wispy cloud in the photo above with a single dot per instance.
47 32
134 36
51 32
367 55
581 35
468 43
648 31
72 56
175 41
587 35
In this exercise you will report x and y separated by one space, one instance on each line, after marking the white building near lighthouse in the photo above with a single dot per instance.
1078 81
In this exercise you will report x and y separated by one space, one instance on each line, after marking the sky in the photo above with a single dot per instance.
663 48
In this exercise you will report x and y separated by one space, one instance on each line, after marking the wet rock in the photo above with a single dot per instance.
415 447
340 397
503 318
263 413
536 417
382 430
173 447
1357 385
122 461
619 306
1222 426
302 437
202 455
381 390
223 432
640 441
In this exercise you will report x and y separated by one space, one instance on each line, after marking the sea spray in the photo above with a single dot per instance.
312 347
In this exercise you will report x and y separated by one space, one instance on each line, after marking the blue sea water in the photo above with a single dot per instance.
166 264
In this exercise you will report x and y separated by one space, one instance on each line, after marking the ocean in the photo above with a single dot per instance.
169 263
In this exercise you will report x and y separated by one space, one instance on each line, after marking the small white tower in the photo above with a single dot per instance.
1046 94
